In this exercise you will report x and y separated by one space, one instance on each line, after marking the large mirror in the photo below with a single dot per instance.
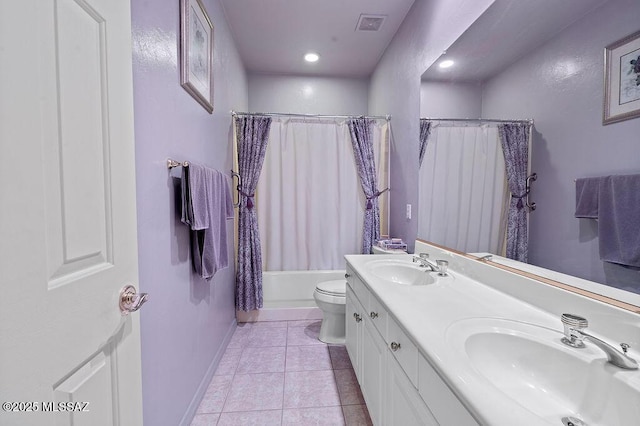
540 60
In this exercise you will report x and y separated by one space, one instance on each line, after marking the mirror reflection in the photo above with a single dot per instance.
540 60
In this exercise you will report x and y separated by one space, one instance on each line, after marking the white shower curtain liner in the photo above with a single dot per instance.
310 203
463 188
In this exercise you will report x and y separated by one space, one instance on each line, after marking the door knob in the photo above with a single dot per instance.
131 300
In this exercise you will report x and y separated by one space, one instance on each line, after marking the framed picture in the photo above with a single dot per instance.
622 79
196 52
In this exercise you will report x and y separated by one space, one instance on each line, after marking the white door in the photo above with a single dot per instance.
67 214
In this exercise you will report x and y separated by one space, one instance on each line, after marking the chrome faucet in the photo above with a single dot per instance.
440 266
575 335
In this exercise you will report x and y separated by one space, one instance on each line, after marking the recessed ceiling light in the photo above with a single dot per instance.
446 63
311 57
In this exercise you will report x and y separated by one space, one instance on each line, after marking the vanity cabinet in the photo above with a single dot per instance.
403 405
398 384
391 395
366 350
445 406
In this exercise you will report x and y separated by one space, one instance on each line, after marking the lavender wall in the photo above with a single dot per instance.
560 86
308 94
187 320
430 27
450 100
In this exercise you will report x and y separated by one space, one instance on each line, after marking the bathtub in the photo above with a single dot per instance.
288 295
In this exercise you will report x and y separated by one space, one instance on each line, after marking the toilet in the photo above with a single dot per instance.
331 298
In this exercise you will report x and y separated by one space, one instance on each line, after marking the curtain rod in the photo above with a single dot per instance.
283 114
481 120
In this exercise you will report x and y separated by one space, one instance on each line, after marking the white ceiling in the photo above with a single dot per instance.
273 35
506 32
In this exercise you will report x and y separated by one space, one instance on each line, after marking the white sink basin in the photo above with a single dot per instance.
400 272
529 365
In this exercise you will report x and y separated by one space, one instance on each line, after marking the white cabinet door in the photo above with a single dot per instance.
403 405
353 332
373 370
67 214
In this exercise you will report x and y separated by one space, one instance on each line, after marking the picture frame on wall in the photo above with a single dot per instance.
196 52
622 79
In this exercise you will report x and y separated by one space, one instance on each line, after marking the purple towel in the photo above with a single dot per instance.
587 197
206 205
619 219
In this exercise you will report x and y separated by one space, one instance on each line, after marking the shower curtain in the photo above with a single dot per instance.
251 137
310 203
463 188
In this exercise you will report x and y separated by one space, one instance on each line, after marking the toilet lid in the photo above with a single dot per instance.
332 288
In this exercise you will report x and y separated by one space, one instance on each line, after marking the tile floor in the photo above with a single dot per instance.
279 373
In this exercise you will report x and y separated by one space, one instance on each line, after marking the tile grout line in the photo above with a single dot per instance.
230 384
233 376
332 368
284 374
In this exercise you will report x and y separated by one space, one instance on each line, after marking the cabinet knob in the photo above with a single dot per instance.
347 275
373 315
395 346
357 317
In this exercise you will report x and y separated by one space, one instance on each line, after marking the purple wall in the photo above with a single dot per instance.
429 28
308 94
186 324
560 85
450 100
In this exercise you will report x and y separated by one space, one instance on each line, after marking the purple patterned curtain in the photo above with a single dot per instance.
515 146
362 142
425 131
253 134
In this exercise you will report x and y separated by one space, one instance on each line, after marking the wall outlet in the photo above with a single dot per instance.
408 211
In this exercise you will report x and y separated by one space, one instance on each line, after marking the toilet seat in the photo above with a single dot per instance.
332 288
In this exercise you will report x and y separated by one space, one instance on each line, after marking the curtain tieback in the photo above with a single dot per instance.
249 198
520 204
376 195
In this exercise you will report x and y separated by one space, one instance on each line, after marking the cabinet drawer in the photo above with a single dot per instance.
358 287
403 350
378 315
442 402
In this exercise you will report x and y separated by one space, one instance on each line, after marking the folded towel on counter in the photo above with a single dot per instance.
619 219
206 205
587 197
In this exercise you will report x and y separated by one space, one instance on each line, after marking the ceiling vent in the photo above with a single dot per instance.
370 22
